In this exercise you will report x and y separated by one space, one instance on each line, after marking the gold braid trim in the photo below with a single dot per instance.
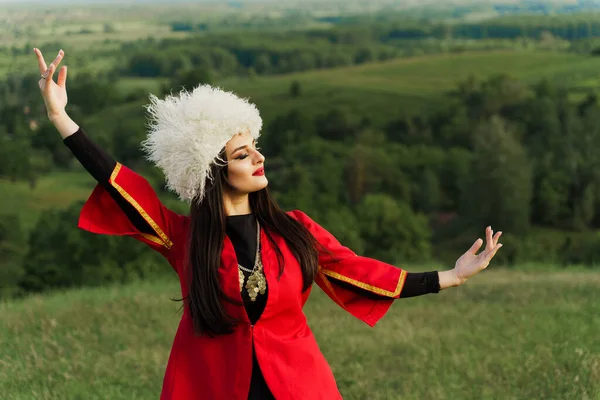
162 239
366 286
330 288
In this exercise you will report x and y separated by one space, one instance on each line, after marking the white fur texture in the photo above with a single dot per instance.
187 132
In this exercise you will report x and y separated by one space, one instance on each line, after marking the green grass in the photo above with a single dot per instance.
505 335
57 190
405 86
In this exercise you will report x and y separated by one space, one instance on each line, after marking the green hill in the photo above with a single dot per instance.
390 89
504 335
56 190
382 91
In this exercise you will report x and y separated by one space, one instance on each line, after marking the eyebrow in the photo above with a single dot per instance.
240 148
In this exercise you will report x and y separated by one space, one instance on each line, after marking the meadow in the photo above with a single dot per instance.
504 335
411 86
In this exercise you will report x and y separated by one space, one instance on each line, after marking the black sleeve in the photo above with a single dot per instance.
101 165
416 284
93 158
420 283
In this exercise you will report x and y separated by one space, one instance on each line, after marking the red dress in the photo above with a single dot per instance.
293 366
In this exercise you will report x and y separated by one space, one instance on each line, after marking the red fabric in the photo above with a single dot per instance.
102 215
340 263
201 367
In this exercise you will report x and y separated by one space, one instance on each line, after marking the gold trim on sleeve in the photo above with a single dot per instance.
162 238
330 288
366 286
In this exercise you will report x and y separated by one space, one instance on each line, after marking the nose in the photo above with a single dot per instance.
259 158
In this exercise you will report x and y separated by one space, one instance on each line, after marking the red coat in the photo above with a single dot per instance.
201 367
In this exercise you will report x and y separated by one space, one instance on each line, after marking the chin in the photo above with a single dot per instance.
264 182
256 187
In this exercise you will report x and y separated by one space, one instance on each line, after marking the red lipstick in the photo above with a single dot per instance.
259 172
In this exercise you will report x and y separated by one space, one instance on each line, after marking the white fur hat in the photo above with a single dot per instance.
188 131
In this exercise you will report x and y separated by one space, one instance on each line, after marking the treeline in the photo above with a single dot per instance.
261 54
267 52
385 28
568 28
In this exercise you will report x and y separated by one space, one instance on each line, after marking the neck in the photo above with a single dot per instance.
236 204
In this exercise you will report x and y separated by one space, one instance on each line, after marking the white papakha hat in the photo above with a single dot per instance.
188 131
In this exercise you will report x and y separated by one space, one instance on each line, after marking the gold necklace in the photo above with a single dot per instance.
256 281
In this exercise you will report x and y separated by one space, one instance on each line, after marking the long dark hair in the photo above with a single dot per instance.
207 232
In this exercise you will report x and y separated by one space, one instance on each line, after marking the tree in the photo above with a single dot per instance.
344 225
335 125
189 79
295 89
60 255
391 231
363 55
498 189
148 64
91 94
428 194
285 132
262 64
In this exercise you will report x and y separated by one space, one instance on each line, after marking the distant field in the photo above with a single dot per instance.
505 335
385 90
54 191
86 43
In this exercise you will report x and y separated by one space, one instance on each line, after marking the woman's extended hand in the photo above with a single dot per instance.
55 94
471 263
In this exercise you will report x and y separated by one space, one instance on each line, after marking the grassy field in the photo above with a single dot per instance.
505 335
405 86
53 191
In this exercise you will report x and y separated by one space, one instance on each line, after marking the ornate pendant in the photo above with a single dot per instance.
241 278
256 284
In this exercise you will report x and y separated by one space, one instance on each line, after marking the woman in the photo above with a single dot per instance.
246 268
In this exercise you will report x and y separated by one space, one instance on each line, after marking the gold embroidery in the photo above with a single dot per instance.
366 286
154 239
329 287
162 239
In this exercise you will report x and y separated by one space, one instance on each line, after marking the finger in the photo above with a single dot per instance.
58 59
488 238
496 237
41 61
475 247
62 77
493 252
49 74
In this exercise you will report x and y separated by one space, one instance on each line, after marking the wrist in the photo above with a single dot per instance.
63 124
57 117
450 278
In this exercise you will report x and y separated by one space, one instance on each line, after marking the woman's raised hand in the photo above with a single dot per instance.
54 94
471 263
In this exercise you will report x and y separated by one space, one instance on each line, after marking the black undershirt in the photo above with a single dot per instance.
241 230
